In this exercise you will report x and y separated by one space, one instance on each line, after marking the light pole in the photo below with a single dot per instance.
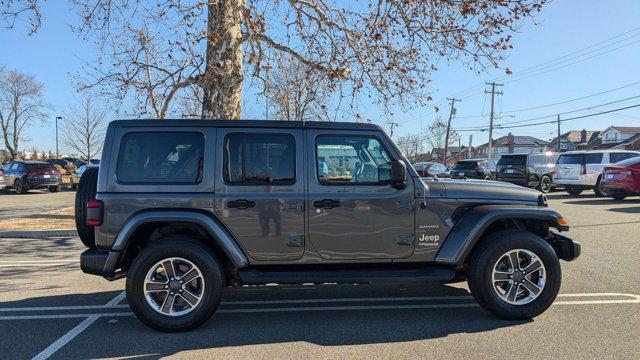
57 150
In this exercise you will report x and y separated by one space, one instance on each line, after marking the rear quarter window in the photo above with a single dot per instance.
161 157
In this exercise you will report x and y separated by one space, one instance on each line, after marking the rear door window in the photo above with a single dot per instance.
571 159
161 157
259 159
593 158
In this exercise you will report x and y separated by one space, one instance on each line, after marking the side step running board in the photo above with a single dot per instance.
252 276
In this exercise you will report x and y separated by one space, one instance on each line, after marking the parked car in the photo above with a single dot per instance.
75 161
622 179
474 169
62 162
530 170
431 169
94 162
582 170
259 210
23 176
83 168
68 177
2 184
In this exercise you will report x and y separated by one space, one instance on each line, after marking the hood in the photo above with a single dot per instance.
488 190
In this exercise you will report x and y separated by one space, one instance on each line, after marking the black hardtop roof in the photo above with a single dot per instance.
248 124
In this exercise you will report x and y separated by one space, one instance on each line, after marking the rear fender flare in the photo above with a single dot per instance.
469 229
215 230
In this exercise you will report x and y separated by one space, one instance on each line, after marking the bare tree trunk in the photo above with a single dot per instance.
223 75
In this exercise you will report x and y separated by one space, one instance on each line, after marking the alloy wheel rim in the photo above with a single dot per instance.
518 277
546 184
174 286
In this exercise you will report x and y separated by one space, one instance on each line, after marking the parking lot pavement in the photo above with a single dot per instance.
13 205
50 308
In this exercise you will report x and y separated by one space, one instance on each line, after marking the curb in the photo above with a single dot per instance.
38 234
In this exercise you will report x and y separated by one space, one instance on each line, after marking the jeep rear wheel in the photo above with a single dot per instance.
87 188
514 274
175 285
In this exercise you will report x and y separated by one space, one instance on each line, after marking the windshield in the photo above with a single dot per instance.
466 165
513 160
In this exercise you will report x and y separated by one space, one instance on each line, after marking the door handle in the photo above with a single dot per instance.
241 204
326 203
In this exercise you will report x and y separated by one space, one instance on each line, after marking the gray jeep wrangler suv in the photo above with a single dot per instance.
184 208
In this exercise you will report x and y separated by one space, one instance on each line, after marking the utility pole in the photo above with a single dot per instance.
558 138
446 138
493 93
469 149
391 126
57 150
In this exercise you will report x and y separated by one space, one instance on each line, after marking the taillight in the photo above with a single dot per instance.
56 172
583 169
94 213
36 172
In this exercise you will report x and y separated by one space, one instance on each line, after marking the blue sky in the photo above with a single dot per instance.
564 26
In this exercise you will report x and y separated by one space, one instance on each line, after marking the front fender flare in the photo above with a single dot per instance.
217 231
468 230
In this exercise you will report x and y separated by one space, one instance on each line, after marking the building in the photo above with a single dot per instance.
513 144
618 134
573 140
616 137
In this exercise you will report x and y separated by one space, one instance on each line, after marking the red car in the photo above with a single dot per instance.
622 179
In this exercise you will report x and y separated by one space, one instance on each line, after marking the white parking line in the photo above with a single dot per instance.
58 344
634 299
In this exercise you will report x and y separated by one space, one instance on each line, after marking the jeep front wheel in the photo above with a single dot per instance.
174 285
514 274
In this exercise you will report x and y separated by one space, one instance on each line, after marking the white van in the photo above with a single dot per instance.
581 170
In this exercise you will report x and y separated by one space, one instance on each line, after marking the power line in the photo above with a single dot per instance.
553 115
562 120
545 64
554 104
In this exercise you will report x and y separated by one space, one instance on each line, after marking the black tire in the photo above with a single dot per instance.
487 253
619 196
598 189
20 187
192 251
87 188
575 191
54 189
545 184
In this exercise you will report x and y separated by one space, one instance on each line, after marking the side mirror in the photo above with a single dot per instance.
398 174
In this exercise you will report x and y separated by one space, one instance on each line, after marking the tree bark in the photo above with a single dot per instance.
223 74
